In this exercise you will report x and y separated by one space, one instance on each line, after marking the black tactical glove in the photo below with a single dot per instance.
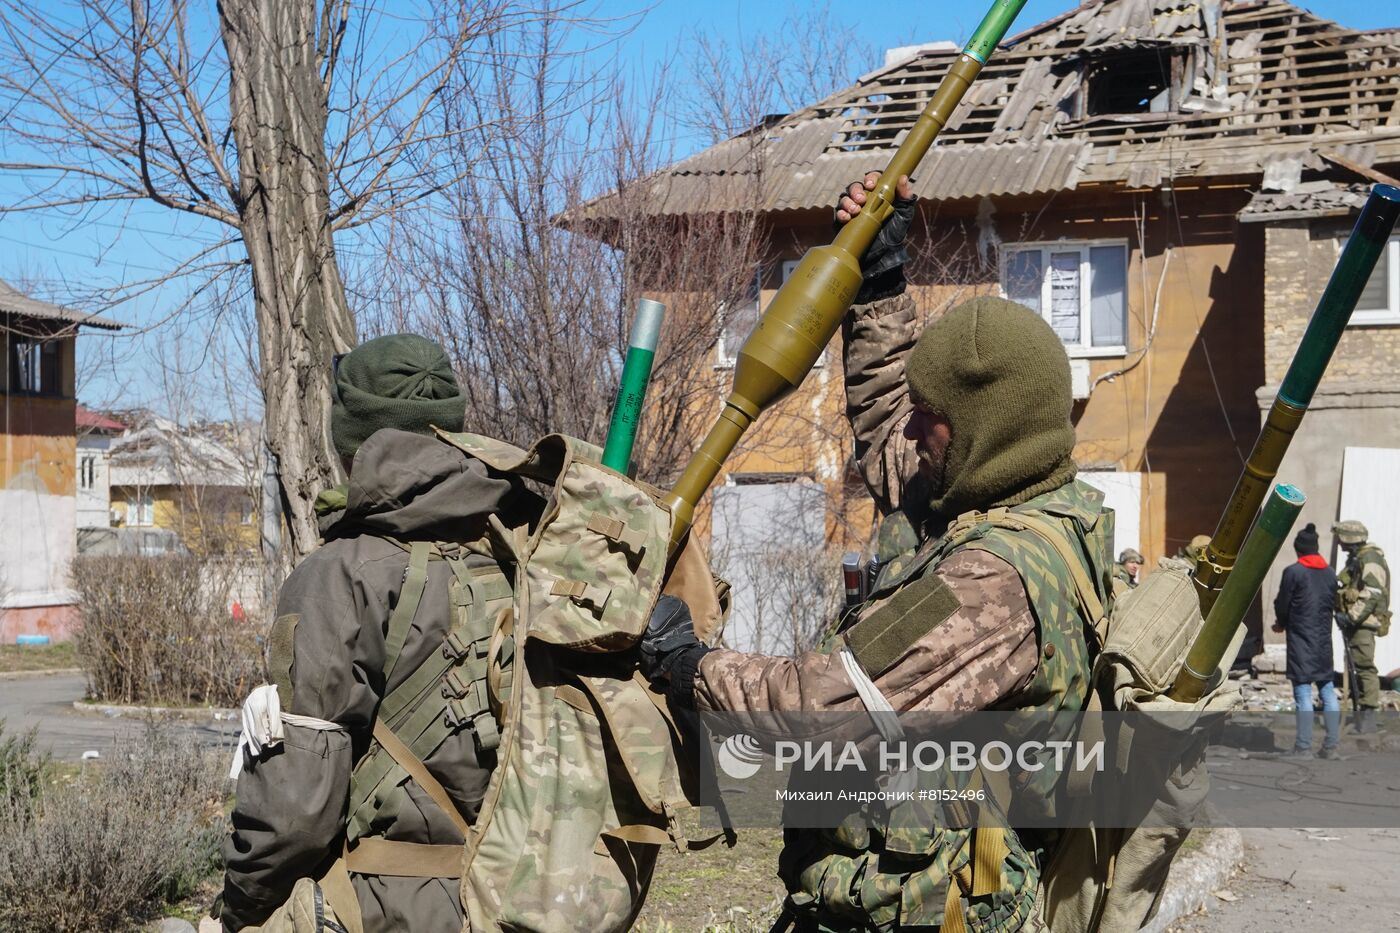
670 651
882 266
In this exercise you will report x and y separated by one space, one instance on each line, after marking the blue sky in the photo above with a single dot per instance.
140 241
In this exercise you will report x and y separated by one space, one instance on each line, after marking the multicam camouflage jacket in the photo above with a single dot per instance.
1365 588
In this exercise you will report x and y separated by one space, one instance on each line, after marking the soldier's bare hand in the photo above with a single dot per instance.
854 198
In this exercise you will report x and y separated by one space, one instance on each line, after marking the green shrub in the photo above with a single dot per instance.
22 770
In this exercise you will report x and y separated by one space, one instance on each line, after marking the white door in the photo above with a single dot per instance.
1370 495
1122 492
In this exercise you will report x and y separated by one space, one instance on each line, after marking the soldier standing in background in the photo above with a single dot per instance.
1363 612
1127 569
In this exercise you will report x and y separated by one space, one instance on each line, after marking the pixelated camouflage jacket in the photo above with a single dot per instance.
1365 592
889 869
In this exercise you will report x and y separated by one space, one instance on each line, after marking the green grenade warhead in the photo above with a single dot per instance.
805 313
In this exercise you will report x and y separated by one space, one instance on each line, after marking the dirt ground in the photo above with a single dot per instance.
1308 879
717 890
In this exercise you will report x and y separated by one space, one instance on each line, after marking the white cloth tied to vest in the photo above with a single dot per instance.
262 726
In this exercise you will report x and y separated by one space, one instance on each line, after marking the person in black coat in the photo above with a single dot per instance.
1303 610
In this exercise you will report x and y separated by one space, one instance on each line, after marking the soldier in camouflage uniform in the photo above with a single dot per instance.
1125 572
1363 612
982 619
328 645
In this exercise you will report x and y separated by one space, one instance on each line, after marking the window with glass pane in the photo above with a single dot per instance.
1376 295
1024 277
140 510
1108 290
739 321
1079 288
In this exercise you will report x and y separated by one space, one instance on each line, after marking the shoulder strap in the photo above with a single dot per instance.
410 596
1055 536
421 775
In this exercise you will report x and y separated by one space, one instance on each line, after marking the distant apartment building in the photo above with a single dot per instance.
38 463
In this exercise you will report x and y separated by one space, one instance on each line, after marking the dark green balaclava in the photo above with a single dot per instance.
1000 376
400 381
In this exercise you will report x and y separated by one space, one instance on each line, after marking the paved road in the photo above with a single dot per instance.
1309 880
46 704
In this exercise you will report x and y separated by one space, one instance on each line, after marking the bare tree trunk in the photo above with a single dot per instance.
278 102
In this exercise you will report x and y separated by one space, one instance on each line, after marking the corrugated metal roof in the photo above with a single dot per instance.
1026 128
14 302
1309 199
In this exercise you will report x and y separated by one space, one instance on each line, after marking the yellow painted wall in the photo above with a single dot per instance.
201 526
1180 409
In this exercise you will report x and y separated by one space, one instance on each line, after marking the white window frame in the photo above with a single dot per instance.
1383 316
1075 351
725 356
87 471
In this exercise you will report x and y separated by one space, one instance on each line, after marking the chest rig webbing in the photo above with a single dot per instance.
455 689
896 867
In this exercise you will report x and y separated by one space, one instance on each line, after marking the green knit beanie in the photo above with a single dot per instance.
400 381
1000 376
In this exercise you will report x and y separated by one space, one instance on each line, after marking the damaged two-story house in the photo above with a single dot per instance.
1168 182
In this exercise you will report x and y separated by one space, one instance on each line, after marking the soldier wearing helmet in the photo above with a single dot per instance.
1363 612
1126 571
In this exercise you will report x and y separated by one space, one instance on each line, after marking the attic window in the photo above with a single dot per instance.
1130 81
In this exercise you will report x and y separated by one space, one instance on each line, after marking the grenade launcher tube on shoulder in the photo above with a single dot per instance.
1324 331
808 308
1233 549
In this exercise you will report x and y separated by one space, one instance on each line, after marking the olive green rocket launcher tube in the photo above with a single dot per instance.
632 392
1354 268
808 308
1260 549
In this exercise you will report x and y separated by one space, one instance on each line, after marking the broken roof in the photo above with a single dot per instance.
12 301
1243 82
160 452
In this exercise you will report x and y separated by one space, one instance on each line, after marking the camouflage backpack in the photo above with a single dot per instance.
540 667
587 783
1104 879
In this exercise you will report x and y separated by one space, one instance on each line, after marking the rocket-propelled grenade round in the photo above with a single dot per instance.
1354 267
806 311
632 391
1226 614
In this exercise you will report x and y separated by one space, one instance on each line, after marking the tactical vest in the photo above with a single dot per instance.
459 687
1353 582
887 870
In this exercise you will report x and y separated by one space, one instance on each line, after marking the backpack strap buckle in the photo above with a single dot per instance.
455 686
585 594
618 532
455 648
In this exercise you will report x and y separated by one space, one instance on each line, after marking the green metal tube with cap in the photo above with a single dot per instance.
1324 331
805 313
632 390
1227 612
